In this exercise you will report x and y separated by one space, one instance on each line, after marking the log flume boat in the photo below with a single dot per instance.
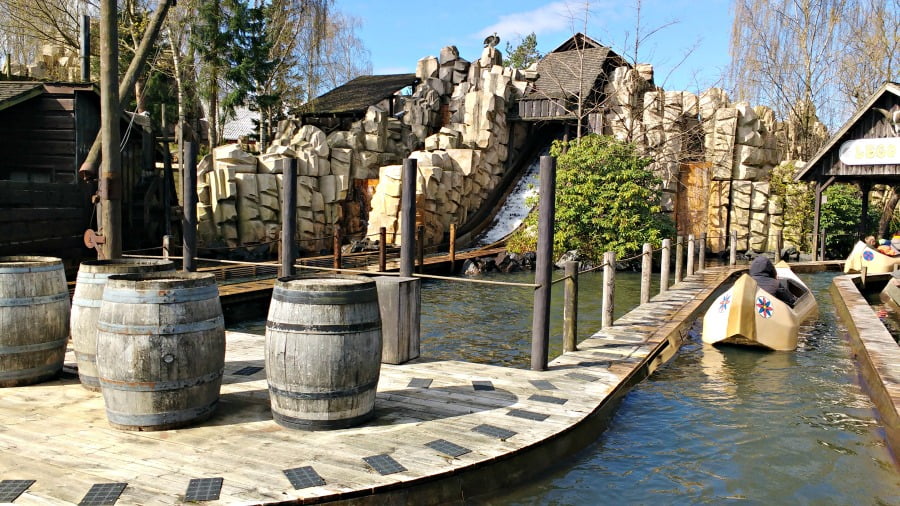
873 260
748 315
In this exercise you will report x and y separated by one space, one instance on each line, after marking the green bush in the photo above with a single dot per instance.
841 211
606 200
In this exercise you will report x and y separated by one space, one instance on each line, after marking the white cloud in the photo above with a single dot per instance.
547 19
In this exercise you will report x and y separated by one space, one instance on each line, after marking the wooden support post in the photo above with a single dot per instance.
701 253
664 265
382 249
167 239
338 254
407 216
189 195
609 288
288 218
690 255
822 245
732 248
679 258
111 160
452 248
646 272
817 212
85 49
540 328
420 248
570 307
167 174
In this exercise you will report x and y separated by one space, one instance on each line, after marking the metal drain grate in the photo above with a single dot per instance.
497 432
248 371
447 447
384 464
543 384
304 477
419 383
548 399
102 494
11 489
203 489
482 385
528 415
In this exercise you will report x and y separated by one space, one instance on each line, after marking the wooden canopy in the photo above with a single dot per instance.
865 151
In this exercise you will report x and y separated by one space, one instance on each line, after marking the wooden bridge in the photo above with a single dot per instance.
444 430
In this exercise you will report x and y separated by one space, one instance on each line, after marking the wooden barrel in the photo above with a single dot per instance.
160 349
34 319
323 351
89 287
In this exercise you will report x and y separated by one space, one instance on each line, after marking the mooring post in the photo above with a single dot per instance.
690 255
732 255
452 248
540 328
701 253
609 288
822 246
570 307
288 217
382 249
646 272
189 221
679 258
407 216
420 248
338 254
666 257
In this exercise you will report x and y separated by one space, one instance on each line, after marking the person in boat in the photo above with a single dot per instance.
886 248
763 272
871 242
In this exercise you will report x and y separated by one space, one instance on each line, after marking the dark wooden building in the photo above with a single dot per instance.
865 151
46 131
578 69
347 103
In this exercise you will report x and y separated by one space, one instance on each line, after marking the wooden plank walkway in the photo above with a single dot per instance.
504 425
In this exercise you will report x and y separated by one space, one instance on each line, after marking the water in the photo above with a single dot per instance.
736 425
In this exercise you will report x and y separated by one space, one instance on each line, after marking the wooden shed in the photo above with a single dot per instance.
865 151
347 103
46 131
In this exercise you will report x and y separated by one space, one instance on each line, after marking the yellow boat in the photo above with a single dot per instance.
749 315
874 261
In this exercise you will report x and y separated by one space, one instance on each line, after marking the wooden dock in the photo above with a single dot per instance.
443 431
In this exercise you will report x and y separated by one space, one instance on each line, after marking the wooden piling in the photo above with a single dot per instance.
540 328
338 254
666 255
701 253
452 248
110 187
646 271
189 220
679 258
407 216
609 288
382 249
420 249
690 255
732 247
166 246
288 218
570 307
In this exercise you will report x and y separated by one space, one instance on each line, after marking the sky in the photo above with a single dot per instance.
689 51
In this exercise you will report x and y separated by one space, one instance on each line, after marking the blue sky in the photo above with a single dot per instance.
399 32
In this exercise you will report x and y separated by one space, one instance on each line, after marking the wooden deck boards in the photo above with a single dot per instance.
56 433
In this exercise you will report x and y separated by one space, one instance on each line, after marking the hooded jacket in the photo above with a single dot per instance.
763 272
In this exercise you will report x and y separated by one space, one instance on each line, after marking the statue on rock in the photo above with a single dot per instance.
491 55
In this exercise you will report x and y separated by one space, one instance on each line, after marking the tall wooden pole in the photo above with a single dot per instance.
289 218
111 166
189 196
540 328
85 48
407 217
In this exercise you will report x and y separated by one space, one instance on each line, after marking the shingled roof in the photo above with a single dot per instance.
14 92
573 68
358 94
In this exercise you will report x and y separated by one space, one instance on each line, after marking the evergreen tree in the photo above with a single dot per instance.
523 55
